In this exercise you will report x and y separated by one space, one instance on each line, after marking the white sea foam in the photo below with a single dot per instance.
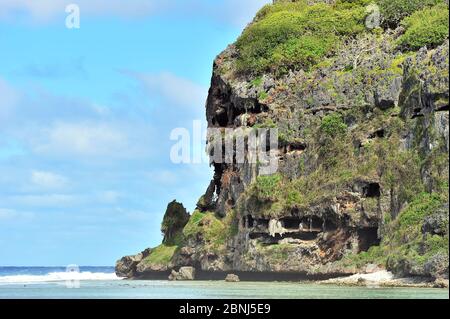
58 277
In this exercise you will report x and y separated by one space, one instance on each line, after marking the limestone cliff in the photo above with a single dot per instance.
363 120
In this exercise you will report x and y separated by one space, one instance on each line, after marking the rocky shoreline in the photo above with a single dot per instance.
375 278
358 280
384 279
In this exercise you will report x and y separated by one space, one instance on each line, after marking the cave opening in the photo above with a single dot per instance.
372 190
227 113
291 223
303 236
329 226
258 108
379 133
296 146
367 237
311 224
316 224
221 116
262 222
291 237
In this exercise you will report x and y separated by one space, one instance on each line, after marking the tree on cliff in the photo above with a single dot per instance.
175 218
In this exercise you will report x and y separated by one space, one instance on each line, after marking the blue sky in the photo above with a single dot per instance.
85 119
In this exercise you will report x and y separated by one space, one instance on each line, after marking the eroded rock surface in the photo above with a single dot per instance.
361 136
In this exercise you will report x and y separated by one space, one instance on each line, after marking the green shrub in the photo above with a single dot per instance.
295 35
263 95
436 244
394 11
375 255
304 51
192 226
256 82
287 6
207 228
404 238
333 125
266 186
425 204
293 198
427 27
161 255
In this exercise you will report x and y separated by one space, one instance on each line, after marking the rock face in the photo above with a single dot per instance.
184 274
362 166
347 217
232 278
127 266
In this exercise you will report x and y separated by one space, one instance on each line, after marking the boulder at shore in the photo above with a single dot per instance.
185 273
232 278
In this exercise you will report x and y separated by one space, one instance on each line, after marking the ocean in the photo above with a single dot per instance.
102 283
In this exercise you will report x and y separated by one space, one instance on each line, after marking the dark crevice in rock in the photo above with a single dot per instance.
378 134
266 276
367 189
223 108
417 112
292 223
290 229
367 237
267 239
206 202
372 190
443 108
218 173
294 146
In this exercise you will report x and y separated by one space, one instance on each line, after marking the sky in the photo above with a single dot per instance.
85 121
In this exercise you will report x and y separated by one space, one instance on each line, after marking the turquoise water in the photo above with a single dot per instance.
102 283
210 290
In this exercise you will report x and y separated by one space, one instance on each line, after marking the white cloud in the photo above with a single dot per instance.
174 89
48 179
87 138
58 126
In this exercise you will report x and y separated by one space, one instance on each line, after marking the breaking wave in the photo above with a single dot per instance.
57 277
